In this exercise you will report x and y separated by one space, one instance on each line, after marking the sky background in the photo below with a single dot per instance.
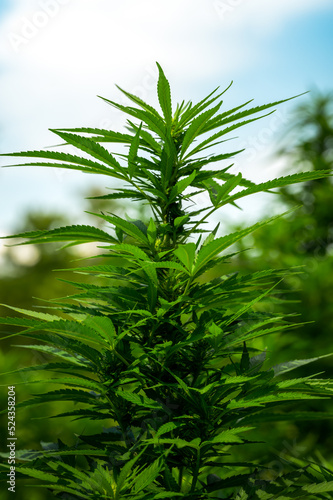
56 56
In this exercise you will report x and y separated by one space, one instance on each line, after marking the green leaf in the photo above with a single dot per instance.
280 182
128 227
72 162
125 472
91 147
151 231
180 443
148 475
228 436
181 186
78 233
186 255
285 367
195 128
319 487
167 427
28 312
140 103
138 399
208 252
132 154
103 325
154 122
180 221
164 96
39 474
224 118
76 359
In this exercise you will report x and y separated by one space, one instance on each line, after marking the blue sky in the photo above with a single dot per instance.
57 55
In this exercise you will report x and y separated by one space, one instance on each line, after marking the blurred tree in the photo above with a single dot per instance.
305 239
310 145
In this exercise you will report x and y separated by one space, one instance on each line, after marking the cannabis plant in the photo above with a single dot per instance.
158 341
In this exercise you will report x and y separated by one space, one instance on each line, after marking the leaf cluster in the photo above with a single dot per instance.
164 356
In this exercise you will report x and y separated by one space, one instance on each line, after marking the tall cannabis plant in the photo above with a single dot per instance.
152 346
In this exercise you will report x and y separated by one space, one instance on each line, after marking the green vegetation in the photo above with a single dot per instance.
166 359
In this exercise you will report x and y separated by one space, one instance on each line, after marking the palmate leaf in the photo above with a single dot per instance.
128 227
139 399
280 182
226 118
196 126
186 255
228 436
92 148
210 251
148 142
103 325
137 100
193 111
71 162
281 397
148 475
150 119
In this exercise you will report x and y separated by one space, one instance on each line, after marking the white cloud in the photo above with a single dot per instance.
57 55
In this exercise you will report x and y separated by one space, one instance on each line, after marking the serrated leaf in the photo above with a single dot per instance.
154 122
138 399
167 427
148 475
132 154
195 128
72 162
292 365
319 487
208 252
280 182
151 231
186 255
103 325
91 147
226 117
128 227
77 233
181 186
180 443
228 436
164 96
76 360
